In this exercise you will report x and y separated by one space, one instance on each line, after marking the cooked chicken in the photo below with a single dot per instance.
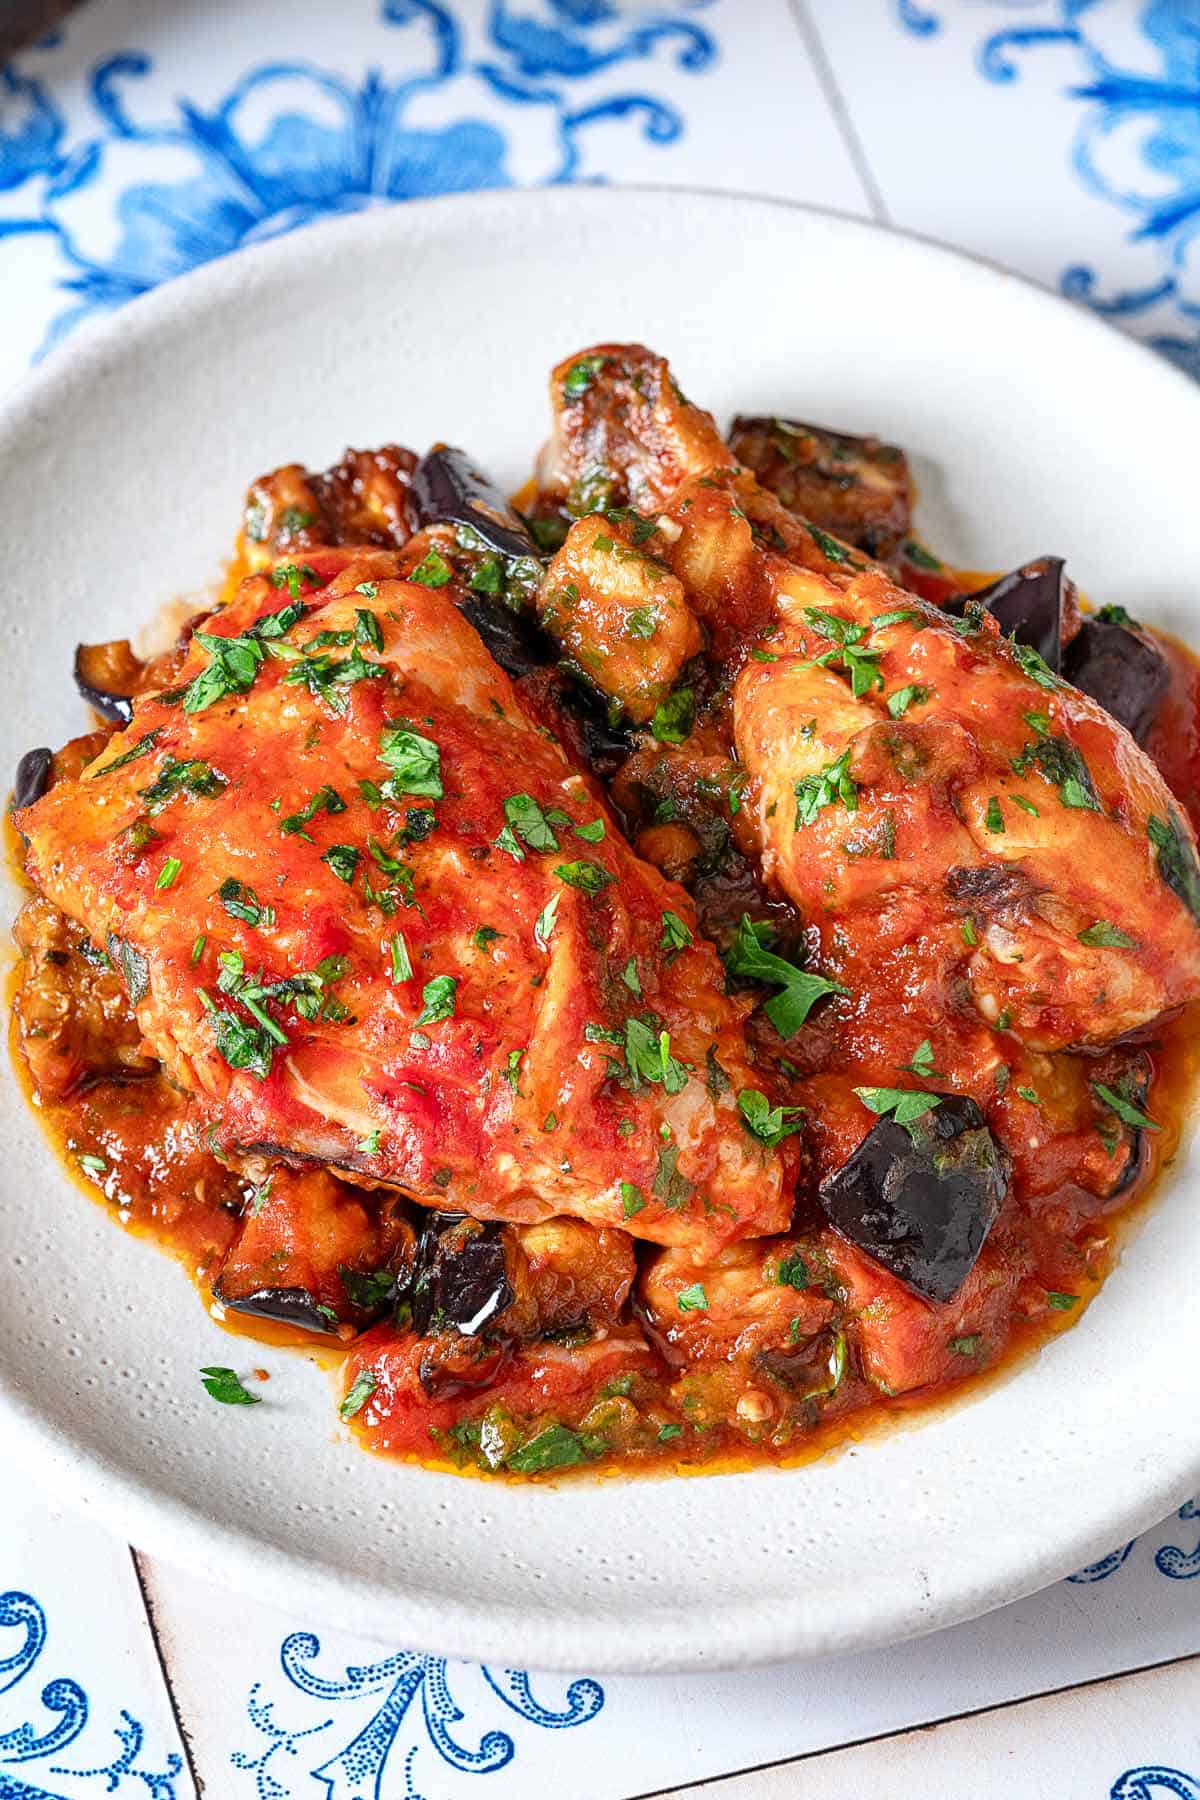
370 912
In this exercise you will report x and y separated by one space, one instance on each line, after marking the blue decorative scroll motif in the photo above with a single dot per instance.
386 1731
1137 139
155 188
1171 1560
1155 1783
41 1755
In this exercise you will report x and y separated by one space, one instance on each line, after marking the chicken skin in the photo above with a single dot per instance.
367 910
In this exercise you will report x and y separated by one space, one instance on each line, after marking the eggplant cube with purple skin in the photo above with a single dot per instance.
921 1198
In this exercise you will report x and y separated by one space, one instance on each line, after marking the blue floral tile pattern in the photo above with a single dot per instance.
353 1761
1137 138
1169 1559
1155 1784
292 141
92 1766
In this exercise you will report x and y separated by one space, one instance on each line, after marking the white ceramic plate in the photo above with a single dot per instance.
122 466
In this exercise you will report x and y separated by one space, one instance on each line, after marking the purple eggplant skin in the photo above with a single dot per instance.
109 703
921 1198
283 1306
461 1278
447 489
1124 670
1028 604
32 777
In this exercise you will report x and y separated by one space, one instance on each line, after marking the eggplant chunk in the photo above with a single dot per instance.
108 677
447 489
856 487
921 1198
461 1276
1125 670
315 1254
32 777
1032 604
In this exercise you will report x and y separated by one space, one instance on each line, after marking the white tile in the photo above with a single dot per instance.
1135 1738
77 1660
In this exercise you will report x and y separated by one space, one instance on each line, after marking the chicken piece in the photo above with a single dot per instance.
894 751
618 612
361 500
371 913
856 487
753 1301
73 1015
314 1254
623 433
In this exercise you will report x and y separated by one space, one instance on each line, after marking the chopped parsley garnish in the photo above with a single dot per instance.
290 575
904 1104
370 1144
1062 1302
512 1071
367 629
800 989
693 1299
591 834
555 1447
484 936
1117 615
506 839
666 1433
92 1164
1175 859
970 936
632 1199
438 996
862 666
175 778
826 788
674 717
912 695
198 949
367 1289
235 661
143 747
994 818
578 378
793 1272
226 1386
675 935
132 964
544 924
527 818
1121 1104
648 1054
327 678
642 621
414 760
1104 935
1029 1094
672 1188
589 877
919 557
1061 764
343 859
1033 664
921 1063
1025 804
770 1124
631 978
364 1386
241 902
967 1346
402 968
326 799
168 872
433 571
830 547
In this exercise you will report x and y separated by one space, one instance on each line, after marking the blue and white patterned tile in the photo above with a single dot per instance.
281 1706
83 1707
140 141
1060 137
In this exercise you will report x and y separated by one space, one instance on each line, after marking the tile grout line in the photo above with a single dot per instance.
823 68
152 1622
882 1737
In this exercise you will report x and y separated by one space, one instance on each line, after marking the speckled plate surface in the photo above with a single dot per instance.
121 471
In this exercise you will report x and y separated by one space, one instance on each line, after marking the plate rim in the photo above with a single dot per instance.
752 1631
